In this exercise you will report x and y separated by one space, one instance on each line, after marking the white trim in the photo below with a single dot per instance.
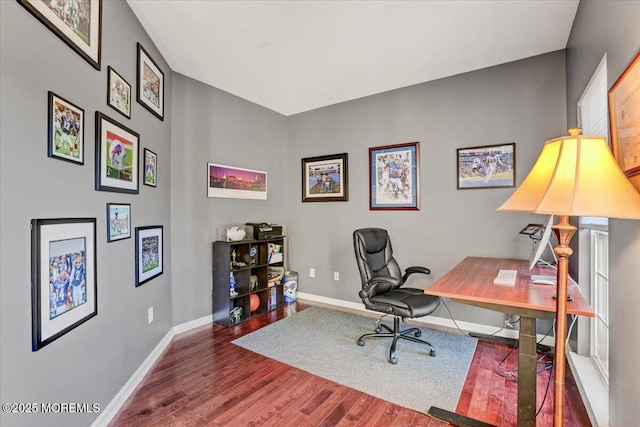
111 410
193 324
593 390
430 320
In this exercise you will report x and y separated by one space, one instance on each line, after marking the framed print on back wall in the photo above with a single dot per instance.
394 177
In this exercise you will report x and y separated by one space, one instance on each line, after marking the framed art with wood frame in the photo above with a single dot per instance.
117 152
118 93
63 277
80 30
118 221
149 253
624 118
325 178
150 91
66 130
394 177
489 166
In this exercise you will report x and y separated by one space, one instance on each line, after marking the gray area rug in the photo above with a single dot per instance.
323 342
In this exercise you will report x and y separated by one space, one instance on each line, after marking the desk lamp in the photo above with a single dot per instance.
575 175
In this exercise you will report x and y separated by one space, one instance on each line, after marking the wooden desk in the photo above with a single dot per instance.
471 282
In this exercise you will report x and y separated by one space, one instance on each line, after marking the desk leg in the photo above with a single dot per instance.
527 367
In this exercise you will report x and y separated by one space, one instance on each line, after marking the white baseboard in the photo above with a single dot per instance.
430 320
111 410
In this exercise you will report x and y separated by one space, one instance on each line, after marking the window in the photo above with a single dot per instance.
594 120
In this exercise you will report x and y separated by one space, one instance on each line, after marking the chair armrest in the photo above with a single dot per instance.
379 285
411 270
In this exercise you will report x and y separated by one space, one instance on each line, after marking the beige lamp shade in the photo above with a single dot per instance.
576 175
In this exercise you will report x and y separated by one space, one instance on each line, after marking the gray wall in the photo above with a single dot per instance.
521 102
92 362
612 27
209 125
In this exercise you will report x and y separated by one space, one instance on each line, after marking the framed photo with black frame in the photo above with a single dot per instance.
394 177
117 152
81 30
118 93
149 253
489 166
150 91
150 168
63 277
118 221
65 130
325 178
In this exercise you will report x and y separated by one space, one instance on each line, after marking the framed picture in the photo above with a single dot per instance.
117 151
149 259
236 183
79 25
66 130
150 167
491 166
63 277
118 221
150 84
624 118
394 177
118 93
325 178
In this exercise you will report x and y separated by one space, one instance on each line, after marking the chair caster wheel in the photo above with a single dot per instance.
378 329
361 343
432 353
393 361
418 334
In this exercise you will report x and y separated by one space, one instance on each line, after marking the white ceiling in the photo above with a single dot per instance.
294 56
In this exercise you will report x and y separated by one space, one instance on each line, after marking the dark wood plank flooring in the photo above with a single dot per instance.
202 379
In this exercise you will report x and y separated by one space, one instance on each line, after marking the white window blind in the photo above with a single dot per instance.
593 116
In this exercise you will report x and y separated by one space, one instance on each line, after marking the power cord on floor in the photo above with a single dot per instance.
507 322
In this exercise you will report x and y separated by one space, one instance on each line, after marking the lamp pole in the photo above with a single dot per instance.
563 231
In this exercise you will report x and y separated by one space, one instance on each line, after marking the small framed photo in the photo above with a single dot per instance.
149 257
150 168
118 93
624 118
150 84
66 130
491 166
236 183
325 178
78 24
118 221
63 277
117 152
394 177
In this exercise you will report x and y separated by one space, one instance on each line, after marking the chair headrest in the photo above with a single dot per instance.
375 239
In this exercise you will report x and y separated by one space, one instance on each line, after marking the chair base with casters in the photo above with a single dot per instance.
397 334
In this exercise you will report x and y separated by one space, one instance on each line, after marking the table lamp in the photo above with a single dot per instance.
575 175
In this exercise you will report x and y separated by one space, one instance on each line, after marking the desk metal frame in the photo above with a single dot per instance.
471 282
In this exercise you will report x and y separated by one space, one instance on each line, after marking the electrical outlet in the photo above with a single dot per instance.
312 272
150 314
336 275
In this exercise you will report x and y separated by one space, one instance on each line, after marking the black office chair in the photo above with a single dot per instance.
381 291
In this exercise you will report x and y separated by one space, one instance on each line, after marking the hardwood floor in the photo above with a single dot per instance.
202 379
